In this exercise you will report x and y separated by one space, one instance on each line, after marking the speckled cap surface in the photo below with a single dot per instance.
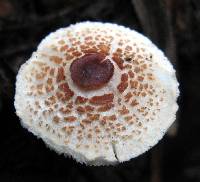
98 92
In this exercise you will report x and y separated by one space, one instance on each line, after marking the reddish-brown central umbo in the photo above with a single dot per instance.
91 71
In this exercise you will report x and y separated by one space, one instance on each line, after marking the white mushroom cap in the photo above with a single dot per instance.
119 120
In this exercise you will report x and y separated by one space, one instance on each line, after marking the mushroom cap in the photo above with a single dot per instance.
113 123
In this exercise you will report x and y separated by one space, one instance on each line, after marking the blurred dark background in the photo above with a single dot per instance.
173 25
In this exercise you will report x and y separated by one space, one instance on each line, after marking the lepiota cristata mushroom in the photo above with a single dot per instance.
98 92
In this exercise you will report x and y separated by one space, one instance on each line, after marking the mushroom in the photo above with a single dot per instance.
98 92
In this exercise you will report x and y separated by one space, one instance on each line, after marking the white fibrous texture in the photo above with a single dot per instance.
112 124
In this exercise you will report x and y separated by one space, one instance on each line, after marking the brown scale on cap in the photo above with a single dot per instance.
124 83
103 99
91 71
80 100
68 93
105 107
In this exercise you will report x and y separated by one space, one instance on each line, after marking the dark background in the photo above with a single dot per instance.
173 25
